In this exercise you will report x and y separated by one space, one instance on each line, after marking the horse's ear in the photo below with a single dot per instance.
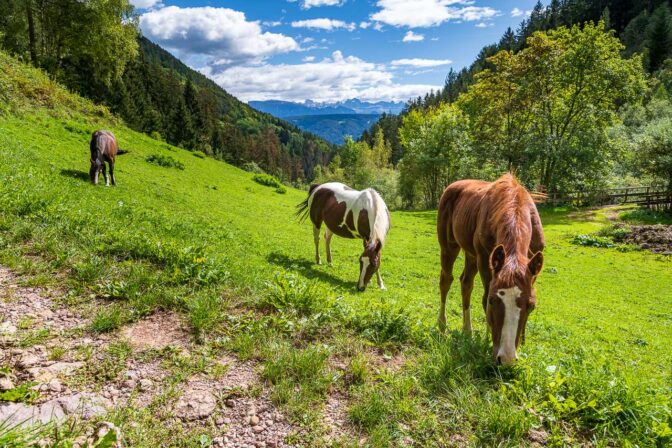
497 258
535 264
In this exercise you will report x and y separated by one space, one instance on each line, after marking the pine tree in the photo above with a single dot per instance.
659 37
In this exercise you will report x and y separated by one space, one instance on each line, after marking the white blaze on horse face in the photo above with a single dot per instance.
507 342
365 266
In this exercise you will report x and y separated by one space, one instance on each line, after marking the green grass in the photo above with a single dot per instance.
226 251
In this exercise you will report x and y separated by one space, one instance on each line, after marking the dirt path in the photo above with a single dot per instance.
77 373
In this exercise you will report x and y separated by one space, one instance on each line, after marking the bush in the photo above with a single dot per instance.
593 241
199 154
252 167
267 180
165 161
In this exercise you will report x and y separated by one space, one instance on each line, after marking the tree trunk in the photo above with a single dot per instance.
31 33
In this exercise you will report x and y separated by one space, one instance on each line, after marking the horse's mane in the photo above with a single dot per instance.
510 220
381 222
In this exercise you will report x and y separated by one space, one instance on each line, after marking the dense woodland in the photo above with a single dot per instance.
578 97
94 48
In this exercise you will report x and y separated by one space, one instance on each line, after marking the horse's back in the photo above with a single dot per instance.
105 142
458 212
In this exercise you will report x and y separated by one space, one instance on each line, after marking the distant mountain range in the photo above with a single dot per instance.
331 121
335 127
284 109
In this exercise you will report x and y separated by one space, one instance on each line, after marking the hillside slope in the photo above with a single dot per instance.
225 255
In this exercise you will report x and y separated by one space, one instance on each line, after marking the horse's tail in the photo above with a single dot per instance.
303 208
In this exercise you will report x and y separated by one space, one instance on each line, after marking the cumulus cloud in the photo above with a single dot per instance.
412 37
426 13
324 24
517 12
307 4
145 4
309 59
484 24
223 34
335 78
416 62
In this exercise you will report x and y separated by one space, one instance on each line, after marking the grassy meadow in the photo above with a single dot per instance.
228 254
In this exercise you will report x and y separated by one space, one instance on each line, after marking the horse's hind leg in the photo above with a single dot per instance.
327 242
316 238
114 182
467 282
448 255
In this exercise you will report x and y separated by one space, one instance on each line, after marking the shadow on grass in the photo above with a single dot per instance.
76 174
307 268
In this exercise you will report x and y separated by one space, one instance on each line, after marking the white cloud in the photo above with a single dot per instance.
517 12
307 4
364 25
145 4
307 40
324 24
484 24
271 24
309 59
221 33
426 13
335 78
416 62
412 37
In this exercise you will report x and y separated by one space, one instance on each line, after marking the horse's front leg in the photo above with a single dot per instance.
107 181
316 238
327 242
381 285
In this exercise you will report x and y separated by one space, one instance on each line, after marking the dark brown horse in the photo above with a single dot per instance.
349 213
103 149
497 226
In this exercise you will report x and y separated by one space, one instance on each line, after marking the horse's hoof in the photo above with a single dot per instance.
382 288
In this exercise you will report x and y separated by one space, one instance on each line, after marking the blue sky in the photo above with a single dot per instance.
328 50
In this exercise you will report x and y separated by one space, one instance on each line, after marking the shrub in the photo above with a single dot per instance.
199 154
281 190
252 167
267 180
165 161
592 241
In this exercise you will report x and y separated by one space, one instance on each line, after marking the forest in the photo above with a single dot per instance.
540 103
95 49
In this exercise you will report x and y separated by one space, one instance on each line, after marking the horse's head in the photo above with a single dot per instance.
369 262
94 171
511 299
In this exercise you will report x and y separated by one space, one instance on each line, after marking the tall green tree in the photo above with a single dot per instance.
659 37
437 148
545 111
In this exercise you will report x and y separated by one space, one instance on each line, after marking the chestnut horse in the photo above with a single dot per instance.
497 226
349 213
103 149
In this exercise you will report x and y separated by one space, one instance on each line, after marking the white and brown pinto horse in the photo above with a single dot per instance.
349 213
497 226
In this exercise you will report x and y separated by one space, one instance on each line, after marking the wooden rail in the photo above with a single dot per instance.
652 195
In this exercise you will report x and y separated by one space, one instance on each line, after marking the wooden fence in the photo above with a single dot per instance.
651 196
